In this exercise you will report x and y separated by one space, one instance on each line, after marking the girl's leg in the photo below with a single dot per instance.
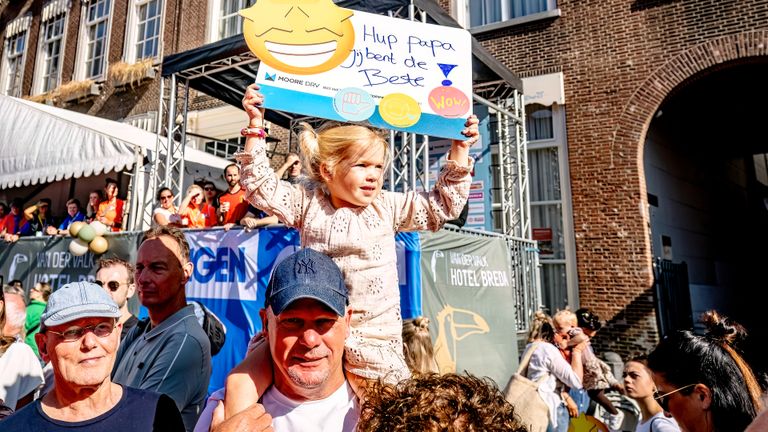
358 384
248 381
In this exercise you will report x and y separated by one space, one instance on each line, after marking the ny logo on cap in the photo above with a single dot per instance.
305 266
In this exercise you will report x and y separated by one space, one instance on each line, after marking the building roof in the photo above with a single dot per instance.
41 143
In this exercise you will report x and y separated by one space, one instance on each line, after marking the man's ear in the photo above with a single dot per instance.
263 315
131 290
348 321
187 267
42 348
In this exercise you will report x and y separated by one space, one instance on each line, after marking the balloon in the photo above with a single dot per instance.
78 247
99 227
98 245
74 228
86 233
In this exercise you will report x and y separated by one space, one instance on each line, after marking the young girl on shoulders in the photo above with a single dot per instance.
341 210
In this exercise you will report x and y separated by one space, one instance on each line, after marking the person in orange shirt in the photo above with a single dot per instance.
110 211
232 203
211 193
192 211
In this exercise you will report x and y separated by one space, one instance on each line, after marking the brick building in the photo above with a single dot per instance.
658 142
642 126
103 57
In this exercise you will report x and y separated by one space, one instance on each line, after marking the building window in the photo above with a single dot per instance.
538 122
15 46
551 212
226 21
482 12
51 43
149 19
96 38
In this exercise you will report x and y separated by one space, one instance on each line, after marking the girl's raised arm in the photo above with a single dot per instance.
252 103
459 152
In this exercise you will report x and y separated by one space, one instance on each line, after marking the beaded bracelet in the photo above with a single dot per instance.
249 131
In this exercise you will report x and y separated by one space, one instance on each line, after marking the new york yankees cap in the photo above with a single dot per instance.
307 274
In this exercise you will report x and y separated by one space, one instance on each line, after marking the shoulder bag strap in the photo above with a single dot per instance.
525 361
527 358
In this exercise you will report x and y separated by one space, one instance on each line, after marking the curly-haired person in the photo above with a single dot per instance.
434 403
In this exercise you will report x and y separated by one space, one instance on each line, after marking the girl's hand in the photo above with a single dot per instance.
252 103
470 131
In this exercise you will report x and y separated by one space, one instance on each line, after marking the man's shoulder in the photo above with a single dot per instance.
26 419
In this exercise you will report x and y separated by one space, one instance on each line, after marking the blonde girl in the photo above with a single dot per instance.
340 210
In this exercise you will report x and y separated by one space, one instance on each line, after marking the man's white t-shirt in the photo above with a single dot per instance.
658 423
338 412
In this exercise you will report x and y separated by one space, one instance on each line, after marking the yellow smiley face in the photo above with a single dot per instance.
302 37
399 110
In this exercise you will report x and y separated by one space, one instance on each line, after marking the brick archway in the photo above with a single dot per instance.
629 134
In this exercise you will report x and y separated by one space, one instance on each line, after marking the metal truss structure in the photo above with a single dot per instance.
231 67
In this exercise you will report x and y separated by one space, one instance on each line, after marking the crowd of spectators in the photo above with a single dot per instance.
203 206
38 219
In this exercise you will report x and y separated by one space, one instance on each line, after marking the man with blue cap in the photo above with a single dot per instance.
79 335
306 322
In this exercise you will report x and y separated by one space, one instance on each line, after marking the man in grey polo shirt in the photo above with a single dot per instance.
169 352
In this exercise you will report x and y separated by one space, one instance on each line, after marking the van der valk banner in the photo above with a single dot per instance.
322 60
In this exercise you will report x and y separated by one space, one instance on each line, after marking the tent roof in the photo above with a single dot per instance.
225 68
41 143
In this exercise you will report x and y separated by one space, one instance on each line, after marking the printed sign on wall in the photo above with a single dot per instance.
325 61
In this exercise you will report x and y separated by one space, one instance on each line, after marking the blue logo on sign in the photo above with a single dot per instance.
220 264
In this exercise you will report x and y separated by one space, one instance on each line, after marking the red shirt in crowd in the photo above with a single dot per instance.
238 206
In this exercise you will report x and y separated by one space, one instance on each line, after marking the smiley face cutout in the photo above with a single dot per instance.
302 37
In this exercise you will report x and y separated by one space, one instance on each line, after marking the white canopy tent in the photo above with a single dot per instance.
41 144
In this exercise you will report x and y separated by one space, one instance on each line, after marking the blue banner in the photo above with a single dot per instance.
230 277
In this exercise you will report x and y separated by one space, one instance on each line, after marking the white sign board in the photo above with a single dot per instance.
325 61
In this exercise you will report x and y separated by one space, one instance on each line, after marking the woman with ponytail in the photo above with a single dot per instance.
703 381
417 346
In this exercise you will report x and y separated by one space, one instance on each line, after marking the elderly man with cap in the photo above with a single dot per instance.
79 335
306 322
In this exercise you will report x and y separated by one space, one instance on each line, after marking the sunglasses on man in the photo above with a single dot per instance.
112 285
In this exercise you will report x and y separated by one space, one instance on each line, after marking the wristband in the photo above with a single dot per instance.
257 132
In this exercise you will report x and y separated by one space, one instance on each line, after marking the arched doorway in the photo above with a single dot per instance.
705 160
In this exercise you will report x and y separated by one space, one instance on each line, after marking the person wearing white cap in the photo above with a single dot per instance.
79 335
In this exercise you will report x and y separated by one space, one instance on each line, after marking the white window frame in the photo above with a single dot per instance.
214 12
19 26
81 72
41 63
559 141
463 16
132 31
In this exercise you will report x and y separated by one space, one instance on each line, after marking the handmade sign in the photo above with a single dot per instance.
322 60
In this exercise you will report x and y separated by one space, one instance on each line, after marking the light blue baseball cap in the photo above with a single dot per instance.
77 300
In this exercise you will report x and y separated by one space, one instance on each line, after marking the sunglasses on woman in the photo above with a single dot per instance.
663 400
112 285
